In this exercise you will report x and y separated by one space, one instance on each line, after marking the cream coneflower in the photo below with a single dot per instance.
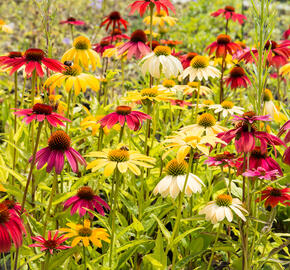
227 108
199 68
207 123
82 54
172 184
222 207
170 86
160 61
192 87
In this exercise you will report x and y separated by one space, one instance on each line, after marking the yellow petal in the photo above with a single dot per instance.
110 167
76 241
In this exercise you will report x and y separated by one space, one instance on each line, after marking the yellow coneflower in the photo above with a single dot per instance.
160 18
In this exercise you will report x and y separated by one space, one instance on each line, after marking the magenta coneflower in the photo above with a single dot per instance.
102 46
116 35
58 147
51 244
13 206
286 34
180 103
274 196
283 129
40 112
286 156
229 13
135 46
237 78
186 59
11 229
142 5
86 198
261 173
222 46
33 59
134 119
72 21
114 19
226 159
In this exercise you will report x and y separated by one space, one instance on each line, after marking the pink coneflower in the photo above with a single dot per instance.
277 56
222 46
142 5
250 117
13 206
237 78
116 35
274 196
259 159
226 159
9 56
180 103
135 46
242 50
86 198
114 19
11 229
134 119
58 147
286 34
51 244
262 173
102 46
33 59
40 112
286 156
72 21
186 59
283 129
229 13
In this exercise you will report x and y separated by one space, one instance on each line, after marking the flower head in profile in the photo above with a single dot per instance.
171 44
286 34
192 87
286 156
262 173
160 61
115 19
59 146
273 196
86 198
34 60
136 46
179 103
160 18
82 54
116 35
285 70
173 183
11 229
186 59
169 85
86 234
224 159
102 46
13 206
229 13
142 5
285 129
226 108
200 68
9 56
122 115
223 46
237 78
121 159
41 112
223 207
72 21
73 77
5 27
50 244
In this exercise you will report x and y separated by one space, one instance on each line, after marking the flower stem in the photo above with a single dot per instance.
121 133
68 109
147 132
221 80
84 257
100 139
72 32
214 245
197 101
15 124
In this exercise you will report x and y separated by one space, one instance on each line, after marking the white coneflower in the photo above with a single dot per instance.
170 86
227 108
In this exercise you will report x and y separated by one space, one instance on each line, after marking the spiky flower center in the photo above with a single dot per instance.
162 50
74 70
206 120
161 13
176 168
71 19
59 140
271 43
223 39
104 43
149 92
245 126
237 72
191 55
123 110
4 213
199 61
192 84
225 155
39 108
85 232
275 192
14 54
168 83
34 54
249 114
115 16
227 104
268 95
138 36
230 8
257 153
118 155
116 31
224 200
208 102
10 204
82 43
86 193
50 244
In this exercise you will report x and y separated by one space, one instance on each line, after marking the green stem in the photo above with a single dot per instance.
46 262
72 32
121 133
214 245
23 92
151 23
192 107
84 257
4 260
15 124
105 95
197 101
147 132
68 109
100 139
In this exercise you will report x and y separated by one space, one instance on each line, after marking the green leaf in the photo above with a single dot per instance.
183 235
165 232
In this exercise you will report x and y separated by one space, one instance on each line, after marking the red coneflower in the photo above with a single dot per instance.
102 46
58 147
40 112
33 59
11 229
142 5
9 56
274 196
86 198
222 46
114 18
171 43
286 34
186 59
51 244
229 13
135 46
116 34
237 78
155 43
13 206
72 21
278 54
134 119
